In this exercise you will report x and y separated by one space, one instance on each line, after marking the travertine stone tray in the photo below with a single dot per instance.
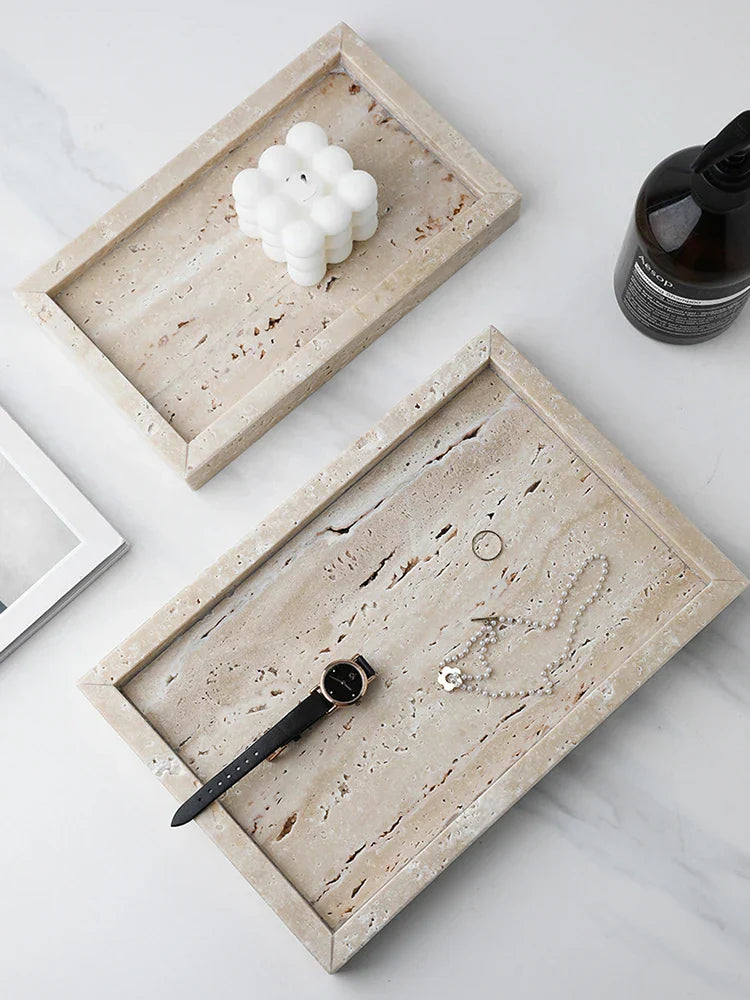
204 341
348 825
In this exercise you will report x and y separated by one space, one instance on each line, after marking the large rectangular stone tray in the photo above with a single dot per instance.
374 556
204 341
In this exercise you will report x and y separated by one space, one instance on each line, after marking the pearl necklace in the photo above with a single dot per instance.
452 677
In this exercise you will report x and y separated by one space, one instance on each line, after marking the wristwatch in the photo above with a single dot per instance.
342 683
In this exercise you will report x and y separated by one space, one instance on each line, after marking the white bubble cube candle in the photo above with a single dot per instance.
306 203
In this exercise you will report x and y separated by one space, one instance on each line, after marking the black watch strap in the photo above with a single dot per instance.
364 664
291 727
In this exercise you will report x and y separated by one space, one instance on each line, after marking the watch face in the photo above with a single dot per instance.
343 682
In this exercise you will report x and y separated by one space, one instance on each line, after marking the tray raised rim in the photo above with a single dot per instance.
723 582
496 208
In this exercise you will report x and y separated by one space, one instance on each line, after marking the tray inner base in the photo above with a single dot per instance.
388 570
195 315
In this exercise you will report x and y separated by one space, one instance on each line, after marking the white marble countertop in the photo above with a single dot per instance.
626 872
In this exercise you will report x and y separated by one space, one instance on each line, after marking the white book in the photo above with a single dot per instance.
53 542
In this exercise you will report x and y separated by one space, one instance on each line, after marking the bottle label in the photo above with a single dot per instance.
671 307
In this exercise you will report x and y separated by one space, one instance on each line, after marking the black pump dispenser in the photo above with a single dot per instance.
684 271
723 167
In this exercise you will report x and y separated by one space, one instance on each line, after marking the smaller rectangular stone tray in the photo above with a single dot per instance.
374 556
204 341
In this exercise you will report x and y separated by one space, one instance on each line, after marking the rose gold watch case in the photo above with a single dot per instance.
326 671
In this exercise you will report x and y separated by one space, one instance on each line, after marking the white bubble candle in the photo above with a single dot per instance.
306 203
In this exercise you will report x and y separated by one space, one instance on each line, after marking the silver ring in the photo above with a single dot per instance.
486 545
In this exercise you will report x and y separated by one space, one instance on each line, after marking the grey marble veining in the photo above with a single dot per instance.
57 178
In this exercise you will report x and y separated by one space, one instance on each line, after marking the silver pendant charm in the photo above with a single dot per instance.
450 677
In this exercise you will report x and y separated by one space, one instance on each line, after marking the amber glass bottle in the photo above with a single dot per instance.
683 275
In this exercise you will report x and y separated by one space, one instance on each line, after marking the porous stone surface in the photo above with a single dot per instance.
196 316
388 570
374 554
205 351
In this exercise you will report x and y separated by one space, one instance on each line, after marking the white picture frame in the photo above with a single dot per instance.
95 546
